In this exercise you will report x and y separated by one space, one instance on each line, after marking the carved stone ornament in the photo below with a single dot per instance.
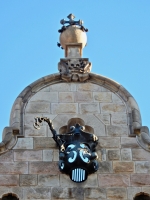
74 69
143 137
77 156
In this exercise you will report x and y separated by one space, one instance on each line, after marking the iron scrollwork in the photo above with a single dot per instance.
77 153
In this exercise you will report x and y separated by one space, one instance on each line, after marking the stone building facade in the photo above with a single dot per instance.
29 157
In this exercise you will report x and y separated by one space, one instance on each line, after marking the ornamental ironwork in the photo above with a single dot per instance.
77 150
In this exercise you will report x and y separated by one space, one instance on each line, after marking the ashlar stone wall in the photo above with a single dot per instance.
30 169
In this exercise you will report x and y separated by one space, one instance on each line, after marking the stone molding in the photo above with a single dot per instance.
16 116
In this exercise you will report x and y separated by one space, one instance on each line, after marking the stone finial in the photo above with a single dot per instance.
72 37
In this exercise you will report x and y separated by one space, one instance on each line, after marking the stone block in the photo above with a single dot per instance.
129 142
142 167
44 143
140 154
132 191
112 108
117 131
136 116
119 119
24 143
113 154
126 154
73 86
121 166
14 168
88 87
83 96
47 155
37 193
60 108
91 182
56 155
95 193
62 193
9 180
65 181
102 97
46 89
48 180
30 131
116 98
145 190
114 180
116 193
45 97
50 168
109 142
89 108
7 157
38 107
60 87
27 155
105 167
28 180
105 118
66 97
140 180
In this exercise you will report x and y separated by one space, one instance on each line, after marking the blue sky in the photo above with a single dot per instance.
118 45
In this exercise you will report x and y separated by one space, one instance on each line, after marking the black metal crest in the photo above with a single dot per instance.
77 156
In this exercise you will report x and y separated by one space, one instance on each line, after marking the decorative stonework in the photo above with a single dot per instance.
74 69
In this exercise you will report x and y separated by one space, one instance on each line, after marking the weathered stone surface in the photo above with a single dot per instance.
91 182
38 107
105 118
47 155
37 193
73 86
65 181
62 193
48 180
102 96
142 167
88 87
24 143
14 168
44 143
117 193
9 180
95 193
145 189
45 97
56 155
113 108
116 98
4 190
89 108
62 87
126 154
64 108
30 131
27 155
7 157
119 119
18 191
28 179
83 96
50 168
114 180
122 167
140 154
116 131
129 142
109 142
113 154
140 180
66 97
105 167
132 191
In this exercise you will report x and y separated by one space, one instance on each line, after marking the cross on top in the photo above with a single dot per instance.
71 20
